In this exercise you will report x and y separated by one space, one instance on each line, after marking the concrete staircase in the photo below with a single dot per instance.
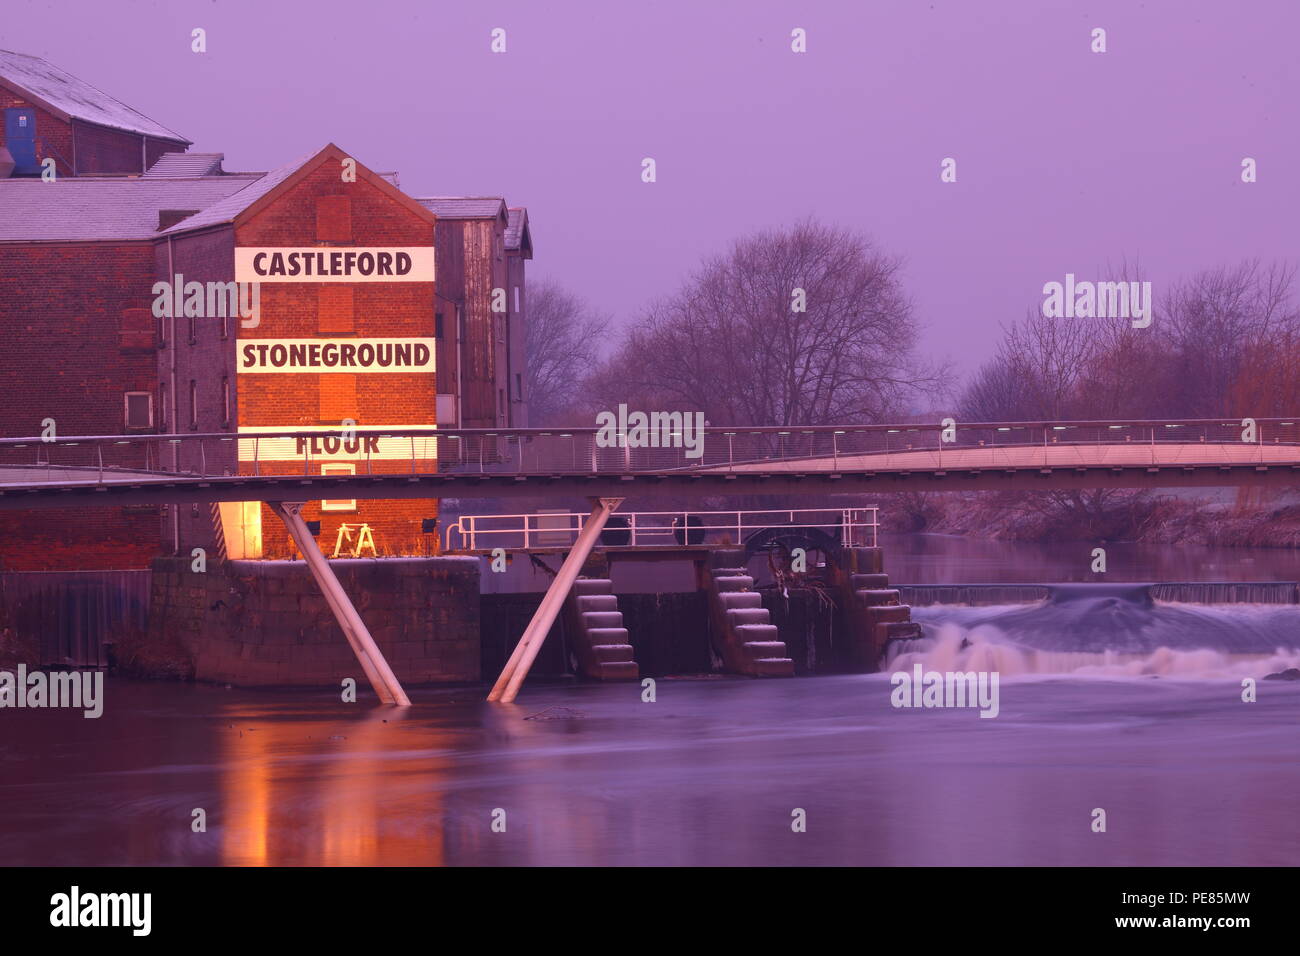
743 634
596 626
872 611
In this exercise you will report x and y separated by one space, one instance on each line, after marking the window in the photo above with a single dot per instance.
338 468
194 404
138 410
225 401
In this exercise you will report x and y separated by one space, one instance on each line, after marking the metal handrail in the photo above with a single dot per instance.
647 528
420 450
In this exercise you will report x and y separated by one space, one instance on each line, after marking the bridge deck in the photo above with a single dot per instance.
532 462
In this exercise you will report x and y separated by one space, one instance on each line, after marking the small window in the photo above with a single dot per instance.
139 410
194 404
338 468
225 401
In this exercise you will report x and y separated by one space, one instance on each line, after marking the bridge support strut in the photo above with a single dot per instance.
372 661
512 675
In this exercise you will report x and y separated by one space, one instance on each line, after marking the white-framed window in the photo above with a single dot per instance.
338 468
138 410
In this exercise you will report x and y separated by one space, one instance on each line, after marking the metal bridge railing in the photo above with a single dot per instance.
536 451
851 527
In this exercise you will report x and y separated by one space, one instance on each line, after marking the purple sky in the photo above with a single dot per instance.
1067 159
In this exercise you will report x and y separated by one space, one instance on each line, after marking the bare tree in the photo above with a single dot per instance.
807 325
563 337
1215 324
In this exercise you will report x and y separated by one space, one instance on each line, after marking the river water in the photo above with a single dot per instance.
1106 702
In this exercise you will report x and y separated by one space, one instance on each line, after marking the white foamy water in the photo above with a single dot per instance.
952 646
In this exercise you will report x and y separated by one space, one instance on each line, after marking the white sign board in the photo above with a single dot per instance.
404 356
334 264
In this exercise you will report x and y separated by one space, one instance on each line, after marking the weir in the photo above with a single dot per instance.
1183 592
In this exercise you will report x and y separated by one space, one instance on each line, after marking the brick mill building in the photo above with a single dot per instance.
130 206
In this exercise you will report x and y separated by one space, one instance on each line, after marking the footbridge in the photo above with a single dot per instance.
287 468
442 463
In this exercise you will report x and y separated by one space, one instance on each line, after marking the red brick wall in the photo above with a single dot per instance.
62 341
53 135
157 147
102 150
206 360
322 209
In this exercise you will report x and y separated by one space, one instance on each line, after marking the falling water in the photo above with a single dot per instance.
1107 629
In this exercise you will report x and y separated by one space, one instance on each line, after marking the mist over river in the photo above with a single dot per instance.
1107 700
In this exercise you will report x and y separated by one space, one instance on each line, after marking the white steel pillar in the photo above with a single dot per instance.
372 661
512 675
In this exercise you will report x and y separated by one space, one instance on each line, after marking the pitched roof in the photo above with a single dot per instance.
127 207
123 208
227 208
518 235
186 165
70 98
230 207
464 207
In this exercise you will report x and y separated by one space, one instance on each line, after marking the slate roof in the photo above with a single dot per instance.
517 228
186 165
70 98
227 208
463 207
126 207
103 208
